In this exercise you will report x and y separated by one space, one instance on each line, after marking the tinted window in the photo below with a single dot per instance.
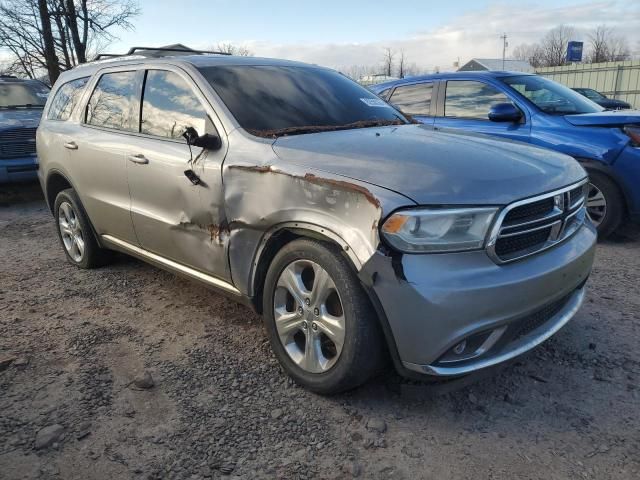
66 99
551 97
469 99
169 106
110 102
413 99
16 95
266 98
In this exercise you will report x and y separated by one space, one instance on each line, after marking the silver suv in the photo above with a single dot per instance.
358 235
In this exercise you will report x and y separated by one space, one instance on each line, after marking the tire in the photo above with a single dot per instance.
605 204
344 358
75 232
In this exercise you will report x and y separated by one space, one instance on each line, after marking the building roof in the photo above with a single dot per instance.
476 64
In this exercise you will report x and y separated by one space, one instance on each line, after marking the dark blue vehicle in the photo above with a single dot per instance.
21 104
530 108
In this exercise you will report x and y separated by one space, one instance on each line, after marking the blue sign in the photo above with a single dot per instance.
574 51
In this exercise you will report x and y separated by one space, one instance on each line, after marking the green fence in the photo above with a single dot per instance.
619 80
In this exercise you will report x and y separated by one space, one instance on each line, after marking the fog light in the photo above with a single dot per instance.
459 348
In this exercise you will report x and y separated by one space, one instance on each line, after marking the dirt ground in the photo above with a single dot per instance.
73 341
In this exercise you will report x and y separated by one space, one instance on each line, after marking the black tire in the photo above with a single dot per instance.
615 206
363 349
93 256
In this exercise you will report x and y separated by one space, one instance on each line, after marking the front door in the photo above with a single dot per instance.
172 216
466 107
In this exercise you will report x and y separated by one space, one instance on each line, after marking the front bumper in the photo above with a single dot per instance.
432 303
23 169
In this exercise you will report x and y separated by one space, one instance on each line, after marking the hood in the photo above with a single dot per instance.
20 118
433 167
604 119
612 103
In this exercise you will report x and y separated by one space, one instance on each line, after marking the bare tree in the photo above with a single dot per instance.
531 53
606 46
554 45
389 55
55 35
238 50
402 65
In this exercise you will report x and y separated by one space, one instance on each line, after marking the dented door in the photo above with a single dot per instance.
172 216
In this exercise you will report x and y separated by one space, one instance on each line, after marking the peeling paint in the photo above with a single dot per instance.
316 180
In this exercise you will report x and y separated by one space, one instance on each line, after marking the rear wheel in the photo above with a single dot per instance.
605 205
320 322
75 233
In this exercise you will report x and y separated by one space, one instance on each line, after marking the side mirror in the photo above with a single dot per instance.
505 112
208 141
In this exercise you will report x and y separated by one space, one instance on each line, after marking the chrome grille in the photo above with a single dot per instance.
530 226
17 135
17 142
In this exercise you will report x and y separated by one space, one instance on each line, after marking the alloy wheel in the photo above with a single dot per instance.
309 316
596 205
71 231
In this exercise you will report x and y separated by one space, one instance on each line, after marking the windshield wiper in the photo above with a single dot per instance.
25 105
280 132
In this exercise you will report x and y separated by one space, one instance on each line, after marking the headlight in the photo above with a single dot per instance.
438 230
634 134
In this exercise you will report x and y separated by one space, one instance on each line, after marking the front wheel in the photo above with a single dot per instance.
320 322
605 205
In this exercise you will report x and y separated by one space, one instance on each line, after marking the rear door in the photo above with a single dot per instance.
466 106
415 100
97 151
172 216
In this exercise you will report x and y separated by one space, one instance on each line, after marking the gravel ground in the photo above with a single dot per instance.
75 402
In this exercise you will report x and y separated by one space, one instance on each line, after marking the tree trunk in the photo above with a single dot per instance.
72 22
51 59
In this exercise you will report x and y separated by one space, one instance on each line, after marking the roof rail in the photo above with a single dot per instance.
133 50
6 75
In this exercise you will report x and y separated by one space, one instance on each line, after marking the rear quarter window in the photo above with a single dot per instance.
66 99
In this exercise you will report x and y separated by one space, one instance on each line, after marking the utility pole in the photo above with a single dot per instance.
505 44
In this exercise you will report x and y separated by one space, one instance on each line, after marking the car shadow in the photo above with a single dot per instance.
18 193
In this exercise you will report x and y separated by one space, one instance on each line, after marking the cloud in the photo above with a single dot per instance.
473 34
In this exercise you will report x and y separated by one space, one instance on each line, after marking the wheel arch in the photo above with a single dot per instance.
599 167
56 182
279 236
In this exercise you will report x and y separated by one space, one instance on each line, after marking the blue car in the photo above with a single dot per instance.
21 104
530 108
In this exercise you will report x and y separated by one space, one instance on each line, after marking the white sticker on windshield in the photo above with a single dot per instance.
374 102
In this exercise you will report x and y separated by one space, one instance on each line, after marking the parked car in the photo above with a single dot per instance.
21 103
602 100
295 190
533 109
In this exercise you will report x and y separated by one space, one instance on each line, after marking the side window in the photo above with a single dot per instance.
469 99
111 101
66 99
413 99
384 94
169 106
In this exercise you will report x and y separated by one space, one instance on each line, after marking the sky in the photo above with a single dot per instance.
344 33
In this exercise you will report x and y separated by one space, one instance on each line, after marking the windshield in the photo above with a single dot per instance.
283 100
592 94
551 97
21 95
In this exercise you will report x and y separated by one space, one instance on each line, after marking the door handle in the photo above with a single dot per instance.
71 145
139 159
